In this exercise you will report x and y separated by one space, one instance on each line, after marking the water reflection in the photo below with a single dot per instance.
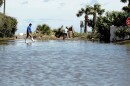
64 63
29 44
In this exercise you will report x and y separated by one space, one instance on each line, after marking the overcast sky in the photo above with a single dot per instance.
53 12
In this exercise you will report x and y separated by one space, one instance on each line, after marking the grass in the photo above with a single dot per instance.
4 40
123 42
127 44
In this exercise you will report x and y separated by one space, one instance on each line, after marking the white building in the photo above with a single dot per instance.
113 37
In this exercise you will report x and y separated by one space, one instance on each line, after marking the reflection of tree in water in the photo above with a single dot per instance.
2 48
128 51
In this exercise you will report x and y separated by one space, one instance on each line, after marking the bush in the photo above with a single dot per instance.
122 33
8 26
59 32
44 29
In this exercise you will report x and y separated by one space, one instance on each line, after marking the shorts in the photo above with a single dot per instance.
29 35
65 34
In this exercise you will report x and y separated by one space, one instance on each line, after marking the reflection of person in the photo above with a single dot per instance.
29 32
81 26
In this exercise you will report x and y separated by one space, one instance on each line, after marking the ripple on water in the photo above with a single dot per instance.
64 63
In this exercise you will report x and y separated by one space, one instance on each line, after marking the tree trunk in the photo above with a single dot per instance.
129 3
94 22
86 23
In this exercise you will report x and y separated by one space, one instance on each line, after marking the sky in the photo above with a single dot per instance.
54 13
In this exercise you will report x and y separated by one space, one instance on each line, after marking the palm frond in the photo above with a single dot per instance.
80 13
126 9
124 1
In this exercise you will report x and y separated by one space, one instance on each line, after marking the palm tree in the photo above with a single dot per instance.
96 10
1 2
126 8
4 6
85 11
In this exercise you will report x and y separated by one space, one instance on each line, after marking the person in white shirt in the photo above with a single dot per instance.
65 34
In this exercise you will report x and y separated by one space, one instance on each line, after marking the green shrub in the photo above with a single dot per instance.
44 29
76 34
8 26
122 32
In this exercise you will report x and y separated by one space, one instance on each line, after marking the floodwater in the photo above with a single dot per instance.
64 63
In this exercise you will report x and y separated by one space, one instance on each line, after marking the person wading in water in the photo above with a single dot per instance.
29 32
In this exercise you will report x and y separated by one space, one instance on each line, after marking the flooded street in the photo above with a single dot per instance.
64 63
